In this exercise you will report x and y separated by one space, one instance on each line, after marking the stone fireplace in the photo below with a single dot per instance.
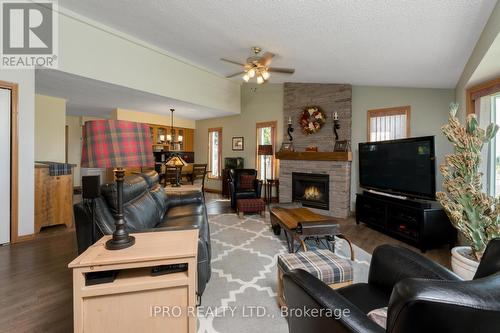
339 182
325 175
311 189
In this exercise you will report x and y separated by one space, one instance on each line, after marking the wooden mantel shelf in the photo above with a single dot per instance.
314 156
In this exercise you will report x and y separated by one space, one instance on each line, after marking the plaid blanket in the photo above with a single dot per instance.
58 169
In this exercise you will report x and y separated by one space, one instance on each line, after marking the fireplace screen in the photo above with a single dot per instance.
311 189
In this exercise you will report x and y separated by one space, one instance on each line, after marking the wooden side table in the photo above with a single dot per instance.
131 301
268 195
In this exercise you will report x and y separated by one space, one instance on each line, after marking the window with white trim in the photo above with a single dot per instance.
215 153
266 135
388 124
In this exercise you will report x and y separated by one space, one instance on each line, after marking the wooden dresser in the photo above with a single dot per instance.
137 301
53 198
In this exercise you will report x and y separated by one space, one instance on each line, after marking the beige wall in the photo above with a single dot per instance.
151 118
429 111
50 124
91 49
258 104
488 36
74 146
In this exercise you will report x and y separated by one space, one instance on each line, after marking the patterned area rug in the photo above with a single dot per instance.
241 295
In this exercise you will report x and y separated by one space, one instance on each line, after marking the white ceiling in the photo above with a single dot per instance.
96 98
416 43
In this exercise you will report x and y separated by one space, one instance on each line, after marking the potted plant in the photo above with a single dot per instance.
474 213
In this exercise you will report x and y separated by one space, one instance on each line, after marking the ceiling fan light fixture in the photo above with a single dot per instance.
245 77
260 79
265 75
251 72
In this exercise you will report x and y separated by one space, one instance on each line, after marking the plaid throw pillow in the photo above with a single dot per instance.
246 182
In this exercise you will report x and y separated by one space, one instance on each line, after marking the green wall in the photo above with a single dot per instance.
429 111
490 32
258 104
94 50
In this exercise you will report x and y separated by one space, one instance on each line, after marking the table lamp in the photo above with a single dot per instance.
117 144
175 161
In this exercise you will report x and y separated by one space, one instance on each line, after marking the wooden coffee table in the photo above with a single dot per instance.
301 223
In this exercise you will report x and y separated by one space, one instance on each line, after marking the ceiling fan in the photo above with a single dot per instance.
258 66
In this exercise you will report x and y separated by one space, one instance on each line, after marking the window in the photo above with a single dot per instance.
266 164
388 124
494 149
215 152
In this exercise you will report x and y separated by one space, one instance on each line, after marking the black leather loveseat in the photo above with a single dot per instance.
148 208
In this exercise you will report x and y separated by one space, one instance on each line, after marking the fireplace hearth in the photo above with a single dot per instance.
311 189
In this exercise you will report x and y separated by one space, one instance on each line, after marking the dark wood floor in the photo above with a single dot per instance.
36 285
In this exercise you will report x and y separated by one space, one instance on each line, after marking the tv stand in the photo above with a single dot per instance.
421 223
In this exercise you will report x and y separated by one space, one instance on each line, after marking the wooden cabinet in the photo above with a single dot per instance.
53 198
189 139
135 300
160 136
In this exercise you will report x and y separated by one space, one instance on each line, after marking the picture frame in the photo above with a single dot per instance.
238 143
342 146
287 146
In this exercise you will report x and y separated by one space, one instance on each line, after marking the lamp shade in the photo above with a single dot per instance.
116 143
175 161
265 150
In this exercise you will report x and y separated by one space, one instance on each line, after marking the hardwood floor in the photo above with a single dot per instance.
36 285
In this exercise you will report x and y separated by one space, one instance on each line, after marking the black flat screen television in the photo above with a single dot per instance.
406 166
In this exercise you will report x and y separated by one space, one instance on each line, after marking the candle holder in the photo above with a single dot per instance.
289 131
288 146
336 126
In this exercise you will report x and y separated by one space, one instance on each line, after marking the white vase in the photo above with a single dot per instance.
462 264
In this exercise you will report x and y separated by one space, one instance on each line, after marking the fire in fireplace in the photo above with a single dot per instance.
312 193
311 189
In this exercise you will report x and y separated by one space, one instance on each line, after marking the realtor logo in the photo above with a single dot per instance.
28 34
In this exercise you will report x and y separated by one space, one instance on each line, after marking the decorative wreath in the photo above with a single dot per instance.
312 119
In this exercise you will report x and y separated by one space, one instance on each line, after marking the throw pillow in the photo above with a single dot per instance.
246 182
379 316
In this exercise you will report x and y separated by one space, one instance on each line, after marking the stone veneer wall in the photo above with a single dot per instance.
340 183
330 98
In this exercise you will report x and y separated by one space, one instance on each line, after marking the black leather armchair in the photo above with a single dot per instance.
421 296
147 207
235 189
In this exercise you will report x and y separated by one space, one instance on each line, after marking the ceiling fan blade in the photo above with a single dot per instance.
265 60
235 74
281 70
232 62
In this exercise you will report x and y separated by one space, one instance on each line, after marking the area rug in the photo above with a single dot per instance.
241 295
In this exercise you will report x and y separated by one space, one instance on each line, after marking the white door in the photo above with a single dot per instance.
5 165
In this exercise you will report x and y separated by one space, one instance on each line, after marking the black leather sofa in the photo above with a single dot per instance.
148 208
235 189
421 296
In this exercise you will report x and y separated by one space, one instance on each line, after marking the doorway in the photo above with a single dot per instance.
8 162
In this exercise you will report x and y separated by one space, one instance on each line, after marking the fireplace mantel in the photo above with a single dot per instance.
314 156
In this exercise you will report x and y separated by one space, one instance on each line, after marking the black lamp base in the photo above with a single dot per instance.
119 244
